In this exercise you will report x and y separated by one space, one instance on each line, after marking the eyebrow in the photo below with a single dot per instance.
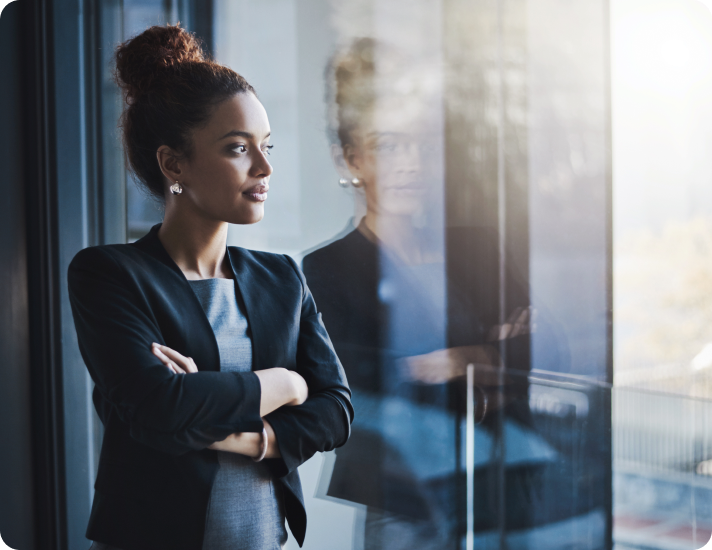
238 133
384 134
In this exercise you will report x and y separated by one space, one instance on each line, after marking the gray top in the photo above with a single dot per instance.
246 510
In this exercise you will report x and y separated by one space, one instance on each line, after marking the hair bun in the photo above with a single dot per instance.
145 60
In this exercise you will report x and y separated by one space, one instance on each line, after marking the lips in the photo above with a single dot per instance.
406 185
412 188
258 193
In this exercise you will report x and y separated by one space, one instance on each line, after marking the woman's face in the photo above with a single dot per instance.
386 157
227 176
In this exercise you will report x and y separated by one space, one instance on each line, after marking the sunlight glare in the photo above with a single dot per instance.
663 52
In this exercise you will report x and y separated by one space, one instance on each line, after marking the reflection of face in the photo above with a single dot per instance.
227 175
386 157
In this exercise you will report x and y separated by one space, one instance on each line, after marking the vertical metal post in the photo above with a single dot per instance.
470 457
499 443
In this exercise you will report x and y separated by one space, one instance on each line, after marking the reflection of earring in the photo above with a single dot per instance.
356 182
343 182
176 188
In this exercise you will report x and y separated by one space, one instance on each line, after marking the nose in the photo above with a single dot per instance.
414 156
409 158
261 168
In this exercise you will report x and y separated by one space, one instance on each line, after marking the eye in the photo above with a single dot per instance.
239 148
384 146
267 149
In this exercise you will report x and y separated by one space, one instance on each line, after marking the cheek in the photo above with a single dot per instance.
221 173
383 170
221 166
370 167
216 184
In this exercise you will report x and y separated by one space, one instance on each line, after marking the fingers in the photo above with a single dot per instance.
520 322
166 361
512 319
174 360
532 321
185 363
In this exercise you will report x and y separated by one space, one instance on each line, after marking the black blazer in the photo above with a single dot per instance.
155 473
345 278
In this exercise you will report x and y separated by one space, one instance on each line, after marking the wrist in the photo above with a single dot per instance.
273 449
262 446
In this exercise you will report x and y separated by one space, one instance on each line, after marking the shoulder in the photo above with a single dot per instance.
114 258
103 256
101 269
343 272
340 253
120 266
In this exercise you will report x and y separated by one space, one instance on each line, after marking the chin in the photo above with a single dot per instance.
407 209
248 218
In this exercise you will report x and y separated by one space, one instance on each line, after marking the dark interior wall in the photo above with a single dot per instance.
16 486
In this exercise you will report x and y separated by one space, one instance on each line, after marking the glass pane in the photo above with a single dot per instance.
662 80
662 457
441 170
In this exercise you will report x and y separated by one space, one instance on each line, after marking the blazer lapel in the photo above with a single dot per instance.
245 284
200 342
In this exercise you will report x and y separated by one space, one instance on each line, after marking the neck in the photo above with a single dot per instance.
196 245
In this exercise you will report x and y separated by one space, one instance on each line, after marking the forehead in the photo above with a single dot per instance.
389 115
242 112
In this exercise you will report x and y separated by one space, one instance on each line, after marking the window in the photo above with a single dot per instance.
501 210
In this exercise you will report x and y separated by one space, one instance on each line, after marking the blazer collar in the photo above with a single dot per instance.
152 246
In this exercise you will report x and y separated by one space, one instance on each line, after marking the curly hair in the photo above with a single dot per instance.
170 88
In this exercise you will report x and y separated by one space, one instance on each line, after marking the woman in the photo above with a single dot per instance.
408 307
215 378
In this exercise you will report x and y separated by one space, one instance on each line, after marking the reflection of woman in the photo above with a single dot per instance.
201 353
387 300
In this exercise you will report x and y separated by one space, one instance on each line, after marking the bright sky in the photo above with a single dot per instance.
662 111
662 179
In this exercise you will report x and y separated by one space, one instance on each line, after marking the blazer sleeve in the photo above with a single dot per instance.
323 421
115 328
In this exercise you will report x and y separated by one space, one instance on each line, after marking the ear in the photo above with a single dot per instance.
169 162
337 157
352 159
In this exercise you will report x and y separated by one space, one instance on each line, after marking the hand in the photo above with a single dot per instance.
301 390
249 443
492 381
521 321
280 387
243 443
176 362
443 365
